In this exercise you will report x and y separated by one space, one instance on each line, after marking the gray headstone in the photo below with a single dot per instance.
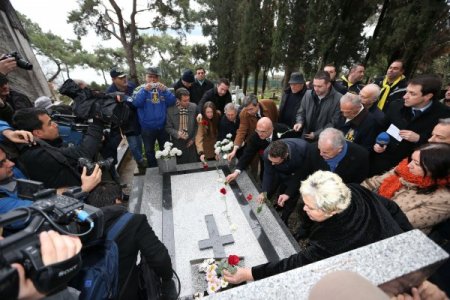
394 264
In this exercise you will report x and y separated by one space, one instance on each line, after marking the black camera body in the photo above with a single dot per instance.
50 211
21 63
105 164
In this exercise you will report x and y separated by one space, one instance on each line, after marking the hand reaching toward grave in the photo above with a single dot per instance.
232 177
241 275
281 199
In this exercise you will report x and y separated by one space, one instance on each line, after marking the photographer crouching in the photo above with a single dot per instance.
47 160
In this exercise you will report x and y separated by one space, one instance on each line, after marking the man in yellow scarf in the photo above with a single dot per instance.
393 85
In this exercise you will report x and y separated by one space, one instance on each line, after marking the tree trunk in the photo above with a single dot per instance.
264 81
377 30
255 84
58 70
244 87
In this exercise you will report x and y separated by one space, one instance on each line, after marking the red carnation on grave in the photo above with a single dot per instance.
205 166
223 191
233 260
249 197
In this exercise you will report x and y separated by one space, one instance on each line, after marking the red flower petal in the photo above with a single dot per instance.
249 197
205 166
223 191
233 260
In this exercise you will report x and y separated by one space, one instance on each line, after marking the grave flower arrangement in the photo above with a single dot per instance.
213 270
223 148
168 152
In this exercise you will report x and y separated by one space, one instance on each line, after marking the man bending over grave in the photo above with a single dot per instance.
345 216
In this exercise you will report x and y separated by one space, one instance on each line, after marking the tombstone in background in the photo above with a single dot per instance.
237 95
195 222
395 265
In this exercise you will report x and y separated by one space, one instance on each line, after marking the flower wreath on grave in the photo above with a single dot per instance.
213 270
168 152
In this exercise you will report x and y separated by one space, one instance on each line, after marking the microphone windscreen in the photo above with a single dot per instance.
383 139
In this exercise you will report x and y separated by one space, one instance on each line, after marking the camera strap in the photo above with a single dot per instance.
58 156
54 277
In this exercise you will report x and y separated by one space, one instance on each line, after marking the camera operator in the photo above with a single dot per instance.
8 185
47 161
136 236
55 248
15 99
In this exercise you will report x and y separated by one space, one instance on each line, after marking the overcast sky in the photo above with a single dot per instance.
51 15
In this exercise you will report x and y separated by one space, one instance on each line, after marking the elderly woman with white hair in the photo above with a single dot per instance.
345 217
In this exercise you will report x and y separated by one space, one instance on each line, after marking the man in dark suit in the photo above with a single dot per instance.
290 102
281 160
355 121
264 134
333 153
415 116
229 123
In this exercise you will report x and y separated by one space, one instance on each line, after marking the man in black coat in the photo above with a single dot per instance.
393 85
201 82
48 161
187 81
281 160
333 153
137 235
15 99
290 103
264 134
415 116
219 95
229 123
355 121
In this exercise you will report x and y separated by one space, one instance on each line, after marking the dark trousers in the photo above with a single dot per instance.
110 144
149 137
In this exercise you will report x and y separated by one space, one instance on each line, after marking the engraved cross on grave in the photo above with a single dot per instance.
215 241
187 213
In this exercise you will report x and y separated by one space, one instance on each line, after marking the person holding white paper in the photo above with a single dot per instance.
415 117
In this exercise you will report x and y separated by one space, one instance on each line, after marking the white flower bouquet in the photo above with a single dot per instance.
224 147
168 152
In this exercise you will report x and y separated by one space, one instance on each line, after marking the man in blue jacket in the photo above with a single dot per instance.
152 100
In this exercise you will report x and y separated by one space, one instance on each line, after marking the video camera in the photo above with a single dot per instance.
62 213
69 130
88 104
21 63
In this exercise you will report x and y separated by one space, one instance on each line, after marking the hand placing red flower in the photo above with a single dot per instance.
233 260
249 197
223 191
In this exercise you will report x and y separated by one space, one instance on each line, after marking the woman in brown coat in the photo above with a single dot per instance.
207 132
